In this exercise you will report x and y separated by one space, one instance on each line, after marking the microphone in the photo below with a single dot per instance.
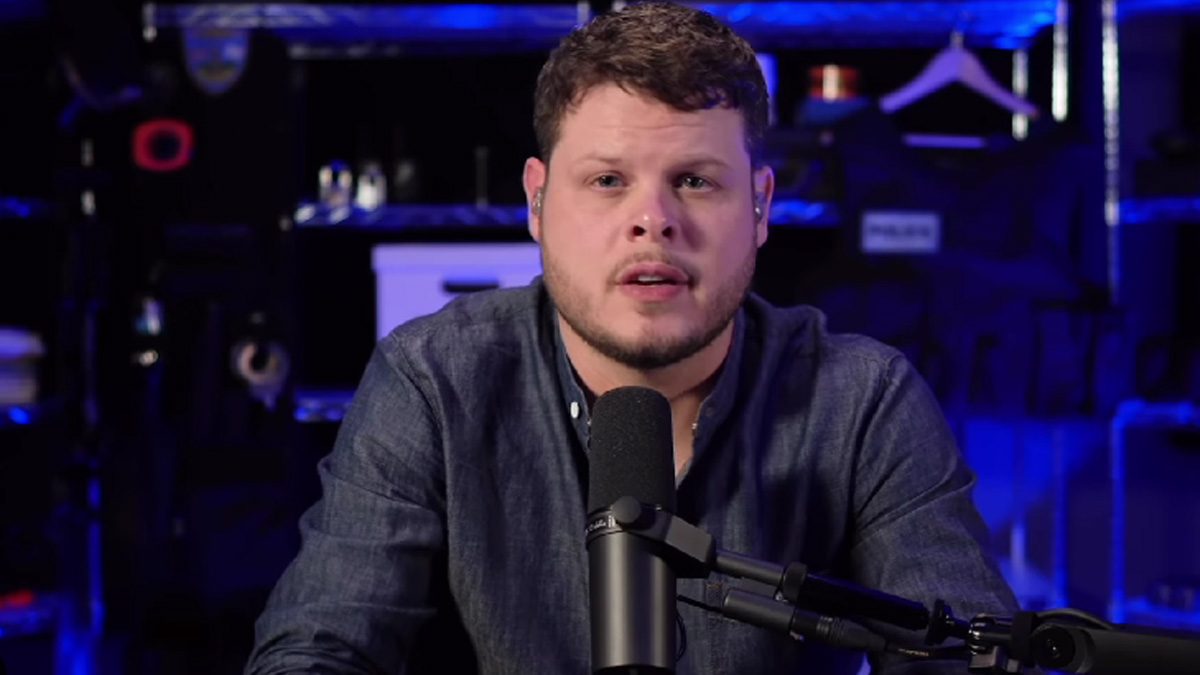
631 584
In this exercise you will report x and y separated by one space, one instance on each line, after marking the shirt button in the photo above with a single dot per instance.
574 410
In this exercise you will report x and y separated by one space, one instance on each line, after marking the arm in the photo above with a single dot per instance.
355 595
917 532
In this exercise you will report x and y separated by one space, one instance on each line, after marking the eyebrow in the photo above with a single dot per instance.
704 163
694 162
600 159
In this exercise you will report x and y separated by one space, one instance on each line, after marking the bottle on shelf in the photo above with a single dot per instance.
20 352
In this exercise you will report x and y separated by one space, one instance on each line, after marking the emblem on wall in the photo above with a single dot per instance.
216 57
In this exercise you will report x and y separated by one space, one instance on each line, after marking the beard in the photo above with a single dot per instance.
649 352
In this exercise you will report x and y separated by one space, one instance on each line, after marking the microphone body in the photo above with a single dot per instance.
632 593
631 583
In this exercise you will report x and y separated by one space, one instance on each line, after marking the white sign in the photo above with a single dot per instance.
901 232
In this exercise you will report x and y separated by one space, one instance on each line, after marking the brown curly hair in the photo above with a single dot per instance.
683 57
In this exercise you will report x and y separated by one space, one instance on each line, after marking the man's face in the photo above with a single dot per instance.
647 227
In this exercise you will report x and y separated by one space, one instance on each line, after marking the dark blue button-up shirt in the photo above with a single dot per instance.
451 526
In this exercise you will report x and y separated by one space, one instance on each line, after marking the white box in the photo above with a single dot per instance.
413 280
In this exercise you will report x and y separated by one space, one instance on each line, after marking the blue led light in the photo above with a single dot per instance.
340 24
1128 8
19 415
471 16
19 208
14 208
1005 23
785 212
322 406
988 22
799 213
1160 210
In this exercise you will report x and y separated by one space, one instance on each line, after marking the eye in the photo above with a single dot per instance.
607 180
694 182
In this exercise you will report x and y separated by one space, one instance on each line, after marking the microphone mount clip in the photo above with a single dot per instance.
686 548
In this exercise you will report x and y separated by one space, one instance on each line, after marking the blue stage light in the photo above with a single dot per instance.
997 23
1128 8
1135 211
20 208
19 415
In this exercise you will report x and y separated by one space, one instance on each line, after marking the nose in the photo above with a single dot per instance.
654 217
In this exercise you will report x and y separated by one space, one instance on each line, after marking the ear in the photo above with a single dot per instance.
764 189
534 180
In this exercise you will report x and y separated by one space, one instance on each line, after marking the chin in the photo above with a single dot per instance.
663 327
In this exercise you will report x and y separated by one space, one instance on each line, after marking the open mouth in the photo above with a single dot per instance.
653 280
654 274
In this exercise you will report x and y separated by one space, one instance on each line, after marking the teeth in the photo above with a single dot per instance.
650 279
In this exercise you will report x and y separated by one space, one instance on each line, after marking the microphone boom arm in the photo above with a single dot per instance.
994 645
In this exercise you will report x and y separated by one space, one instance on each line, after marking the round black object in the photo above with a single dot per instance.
1053 647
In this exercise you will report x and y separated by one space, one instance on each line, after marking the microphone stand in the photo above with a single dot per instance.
806 605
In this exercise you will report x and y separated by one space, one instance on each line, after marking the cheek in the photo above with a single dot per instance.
577 255
734 243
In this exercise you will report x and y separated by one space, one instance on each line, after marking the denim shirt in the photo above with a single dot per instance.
450 533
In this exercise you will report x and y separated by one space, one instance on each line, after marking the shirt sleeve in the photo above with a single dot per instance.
917 533
360 587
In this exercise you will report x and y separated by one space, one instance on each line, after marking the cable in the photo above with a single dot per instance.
682 638
699 604
939 653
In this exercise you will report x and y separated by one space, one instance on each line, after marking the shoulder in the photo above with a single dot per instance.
799 336
487 327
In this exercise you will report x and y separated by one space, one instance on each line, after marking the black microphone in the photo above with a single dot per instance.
631 585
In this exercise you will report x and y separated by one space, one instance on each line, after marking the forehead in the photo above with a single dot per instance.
610 121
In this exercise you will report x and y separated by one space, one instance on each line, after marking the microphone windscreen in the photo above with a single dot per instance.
631 451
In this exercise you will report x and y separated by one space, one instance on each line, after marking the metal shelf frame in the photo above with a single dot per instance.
1004 24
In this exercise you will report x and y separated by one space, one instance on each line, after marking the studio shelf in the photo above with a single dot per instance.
1183 210
316 28
27 613
20 208
326 405
793 213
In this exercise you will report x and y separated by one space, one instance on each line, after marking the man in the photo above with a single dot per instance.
456 489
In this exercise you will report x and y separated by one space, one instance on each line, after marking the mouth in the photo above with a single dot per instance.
653 274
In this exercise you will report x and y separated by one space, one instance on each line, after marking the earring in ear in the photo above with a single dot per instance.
757 212
537 202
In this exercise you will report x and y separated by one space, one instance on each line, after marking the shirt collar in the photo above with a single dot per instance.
577 405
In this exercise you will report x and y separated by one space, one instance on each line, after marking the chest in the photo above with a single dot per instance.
518 561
